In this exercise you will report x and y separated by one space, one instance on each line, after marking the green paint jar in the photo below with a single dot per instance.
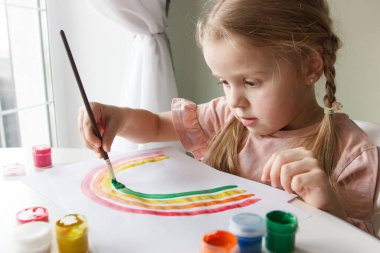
281 231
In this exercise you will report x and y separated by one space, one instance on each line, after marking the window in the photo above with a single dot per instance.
26 100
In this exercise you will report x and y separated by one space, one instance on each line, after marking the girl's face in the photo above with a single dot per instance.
265 94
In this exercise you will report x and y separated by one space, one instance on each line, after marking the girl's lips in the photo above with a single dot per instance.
248 122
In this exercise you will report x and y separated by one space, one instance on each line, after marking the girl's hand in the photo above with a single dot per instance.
136 125
109 121
297 171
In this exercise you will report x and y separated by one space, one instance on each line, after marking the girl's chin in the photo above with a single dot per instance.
259 131
253 130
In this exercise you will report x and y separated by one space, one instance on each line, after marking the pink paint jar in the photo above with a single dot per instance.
42 156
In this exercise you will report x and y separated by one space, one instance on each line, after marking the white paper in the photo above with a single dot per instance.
180 230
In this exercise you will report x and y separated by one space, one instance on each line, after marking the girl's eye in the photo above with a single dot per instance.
223 82
252 83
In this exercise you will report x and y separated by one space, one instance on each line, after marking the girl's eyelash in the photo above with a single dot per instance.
251 83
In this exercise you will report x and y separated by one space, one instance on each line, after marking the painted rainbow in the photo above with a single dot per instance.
98 187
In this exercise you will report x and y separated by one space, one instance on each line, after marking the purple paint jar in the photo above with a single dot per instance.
42 156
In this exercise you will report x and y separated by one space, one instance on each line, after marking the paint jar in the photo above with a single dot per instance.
42 156
281 231
32 214
13 170
33 237
219 241
71 233
249 229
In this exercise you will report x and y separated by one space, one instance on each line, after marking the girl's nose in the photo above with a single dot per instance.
237 98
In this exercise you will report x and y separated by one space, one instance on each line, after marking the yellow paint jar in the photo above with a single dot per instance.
71 232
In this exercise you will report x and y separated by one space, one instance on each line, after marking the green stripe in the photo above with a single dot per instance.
174 195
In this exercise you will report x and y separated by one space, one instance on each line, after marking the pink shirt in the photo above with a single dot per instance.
356 169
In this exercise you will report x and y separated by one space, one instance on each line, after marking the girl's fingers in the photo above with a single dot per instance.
89 132
269 170
314 188
108 130
81 114
296 170
108 137
292 169
313 179
110 127
90 140
266 170
99 154
272 169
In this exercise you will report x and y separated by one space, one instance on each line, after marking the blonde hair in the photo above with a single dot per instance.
292 29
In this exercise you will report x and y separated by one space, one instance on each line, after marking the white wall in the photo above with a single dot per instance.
358 64
193 77
99 48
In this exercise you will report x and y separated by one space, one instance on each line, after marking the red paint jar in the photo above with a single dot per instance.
42 156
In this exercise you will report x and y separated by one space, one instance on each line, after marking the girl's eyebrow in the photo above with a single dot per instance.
254 73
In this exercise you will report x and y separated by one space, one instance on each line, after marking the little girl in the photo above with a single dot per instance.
267 56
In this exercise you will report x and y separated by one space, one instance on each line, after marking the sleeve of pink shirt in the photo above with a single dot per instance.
357 179
197 124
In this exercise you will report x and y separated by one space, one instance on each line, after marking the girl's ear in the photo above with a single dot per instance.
313 68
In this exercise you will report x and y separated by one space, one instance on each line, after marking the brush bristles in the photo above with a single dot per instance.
109 166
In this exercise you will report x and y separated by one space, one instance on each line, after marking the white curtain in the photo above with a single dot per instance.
149 81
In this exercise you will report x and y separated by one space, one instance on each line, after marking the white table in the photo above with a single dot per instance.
320 233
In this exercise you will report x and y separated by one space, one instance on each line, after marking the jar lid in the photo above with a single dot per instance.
247 225
281 222
32 214
32 236
219 241
41 149
14 169
71 220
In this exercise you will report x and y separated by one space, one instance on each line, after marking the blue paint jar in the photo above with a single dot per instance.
249 229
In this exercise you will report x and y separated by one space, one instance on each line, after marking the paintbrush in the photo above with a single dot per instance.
115 183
